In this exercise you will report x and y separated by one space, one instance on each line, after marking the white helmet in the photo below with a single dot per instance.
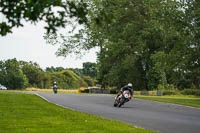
130 85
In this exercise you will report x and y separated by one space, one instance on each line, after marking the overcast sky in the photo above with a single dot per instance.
27 44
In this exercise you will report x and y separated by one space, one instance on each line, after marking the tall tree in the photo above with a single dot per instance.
13 75
147 42
36 76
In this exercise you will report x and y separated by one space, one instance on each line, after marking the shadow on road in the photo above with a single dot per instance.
125 107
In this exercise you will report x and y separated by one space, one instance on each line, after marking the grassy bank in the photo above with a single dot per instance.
27 113
176 99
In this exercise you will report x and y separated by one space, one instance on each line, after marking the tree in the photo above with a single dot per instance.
193 48
54 69
85 37
89 80
141 32
77 71
147 42
54 12
13 75
66 79
36 77
2 73
90 69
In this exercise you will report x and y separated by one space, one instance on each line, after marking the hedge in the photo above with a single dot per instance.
195 92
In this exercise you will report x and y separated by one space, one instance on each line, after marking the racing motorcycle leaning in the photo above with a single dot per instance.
123 98
55 88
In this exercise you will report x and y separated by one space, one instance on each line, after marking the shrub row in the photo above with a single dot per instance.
170 92
195 92
67 79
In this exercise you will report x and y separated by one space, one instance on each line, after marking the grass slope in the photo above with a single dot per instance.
182 100
26 113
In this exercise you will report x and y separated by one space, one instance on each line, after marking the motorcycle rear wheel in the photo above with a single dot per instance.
121 103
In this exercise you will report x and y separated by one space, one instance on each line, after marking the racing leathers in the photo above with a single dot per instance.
129 88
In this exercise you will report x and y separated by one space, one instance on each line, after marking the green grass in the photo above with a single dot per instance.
27 113
177 99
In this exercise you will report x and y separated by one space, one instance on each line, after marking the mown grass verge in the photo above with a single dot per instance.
176 99
27 113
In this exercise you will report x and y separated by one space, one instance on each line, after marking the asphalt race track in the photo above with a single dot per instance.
162 117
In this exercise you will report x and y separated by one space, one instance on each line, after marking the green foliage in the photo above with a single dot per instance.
12 75
67 79
191 92
16 11
2 73
35 75
77 71
156 74
84 75
20 74
141 31
171 92
160 87
150 43
90 69
146 42
54 69
170 87
89 80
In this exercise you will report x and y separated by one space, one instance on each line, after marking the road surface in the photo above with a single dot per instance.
162 117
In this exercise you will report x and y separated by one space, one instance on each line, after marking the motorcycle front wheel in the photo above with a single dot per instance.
115 103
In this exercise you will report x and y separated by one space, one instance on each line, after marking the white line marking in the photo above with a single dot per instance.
53 102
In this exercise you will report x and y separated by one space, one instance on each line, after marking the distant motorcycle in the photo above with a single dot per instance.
55 88
123 98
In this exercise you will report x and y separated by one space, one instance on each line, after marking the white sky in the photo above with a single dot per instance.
27 44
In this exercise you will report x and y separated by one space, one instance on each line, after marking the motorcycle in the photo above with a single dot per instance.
123 98
55 88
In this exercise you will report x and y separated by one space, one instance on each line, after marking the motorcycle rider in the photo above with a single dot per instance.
128 87
54 84
55 87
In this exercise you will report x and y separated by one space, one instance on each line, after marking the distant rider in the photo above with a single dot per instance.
55 87
128 87
54 84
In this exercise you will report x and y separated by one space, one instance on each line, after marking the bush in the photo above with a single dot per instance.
89 80
160 87
170 92
194 92
170 86
67 79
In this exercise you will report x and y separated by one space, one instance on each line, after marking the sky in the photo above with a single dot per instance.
27 44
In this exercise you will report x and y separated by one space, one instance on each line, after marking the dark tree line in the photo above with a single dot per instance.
154 44
20 74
